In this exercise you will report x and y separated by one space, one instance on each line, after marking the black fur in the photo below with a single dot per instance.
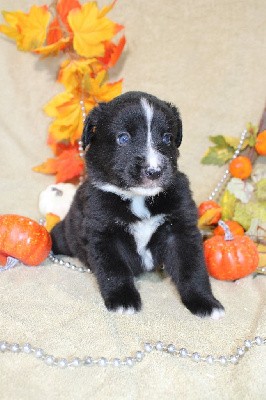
99 226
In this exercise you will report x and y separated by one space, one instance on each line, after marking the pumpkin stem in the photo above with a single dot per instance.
227 233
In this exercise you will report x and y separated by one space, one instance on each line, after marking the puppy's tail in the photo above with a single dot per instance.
59 241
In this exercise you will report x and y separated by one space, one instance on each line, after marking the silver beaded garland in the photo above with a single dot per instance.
170 349
226 175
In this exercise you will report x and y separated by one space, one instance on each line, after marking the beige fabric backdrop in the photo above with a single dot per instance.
208 57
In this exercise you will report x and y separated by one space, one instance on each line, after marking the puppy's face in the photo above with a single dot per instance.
133 144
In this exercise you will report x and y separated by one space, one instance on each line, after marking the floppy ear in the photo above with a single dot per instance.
90 124
178 123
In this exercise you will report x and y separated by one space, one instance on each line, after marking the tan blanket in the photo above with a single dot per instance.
208 57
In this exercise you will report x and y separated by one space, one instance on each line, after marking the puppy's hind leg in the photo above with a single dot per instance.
59 242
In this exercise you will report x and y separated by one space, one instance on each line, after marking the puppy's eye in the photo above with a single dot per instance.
167 138
123 138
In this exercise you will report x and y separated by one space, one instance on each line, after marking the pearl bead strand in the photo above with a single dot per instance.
130 361
217 190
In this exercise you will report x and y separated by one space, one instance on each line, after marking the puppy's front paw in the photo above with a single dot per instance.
124 300
205 307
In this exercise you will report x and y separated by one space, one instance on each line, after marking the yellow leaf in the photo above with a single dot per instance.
52 108
12 18
52 49
72 72
68 123
100 91
106 9
51 220
29 30
207 218
91 28
228 202
234 142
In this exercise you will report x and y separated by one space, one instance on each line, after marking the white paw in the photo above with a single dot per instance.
217 313
124 310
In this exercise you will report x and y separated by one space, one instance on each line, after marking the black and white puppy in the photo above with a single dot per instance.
135 211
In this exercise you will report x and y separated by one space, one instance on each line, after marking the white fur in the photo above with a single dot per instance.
153 157
138 207
123 310
217 313
142 232
131 192
144 229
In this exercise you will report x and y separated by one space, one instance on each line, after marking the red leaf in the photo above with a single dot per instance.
68 165
60 23
54 32
64 7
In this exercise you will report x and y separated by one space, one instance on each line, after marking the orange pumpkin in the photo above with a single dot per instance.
24 239
240 167
234 227
260 145
230 259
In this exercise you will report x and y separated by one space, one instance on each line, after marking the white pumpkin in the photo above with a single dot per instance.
56 199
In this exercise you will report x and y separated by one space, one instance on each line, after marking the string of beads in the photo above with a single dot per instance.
139 355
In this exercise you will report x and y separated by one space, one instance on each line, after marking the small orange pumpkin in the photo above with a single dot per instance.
24 239
230 259
234 227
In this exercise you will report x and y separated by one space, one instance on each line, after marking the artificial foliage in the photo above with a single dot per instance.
242 200
244 197
86 38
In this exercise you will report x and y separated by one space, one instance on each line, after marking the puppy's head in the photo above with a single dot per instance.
133 144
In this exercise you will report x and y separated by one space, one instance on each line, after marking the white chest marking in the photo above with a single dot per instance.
144 229
153 157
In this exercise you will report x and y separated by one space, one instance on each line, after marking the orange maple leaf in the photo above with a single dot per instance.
91 28
67 166
112 53
27 29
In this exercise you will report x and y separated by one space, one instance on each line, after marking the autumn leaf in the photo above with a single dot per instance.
101 91
12 18
50 221
91 28
106 9
53 49
64 7
72 72
228 202
207 218
59 27
67 166
54 33
29 30
112 53
68 123
66 109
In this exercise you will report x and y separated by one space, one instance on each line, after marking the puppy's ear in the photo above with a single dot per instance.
178 122
90 124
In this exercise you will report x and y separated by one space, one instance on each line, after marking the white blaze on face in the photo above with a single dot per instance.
152 156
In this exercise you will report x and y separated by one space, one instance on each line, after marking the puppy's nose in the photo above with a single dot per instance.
153 173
